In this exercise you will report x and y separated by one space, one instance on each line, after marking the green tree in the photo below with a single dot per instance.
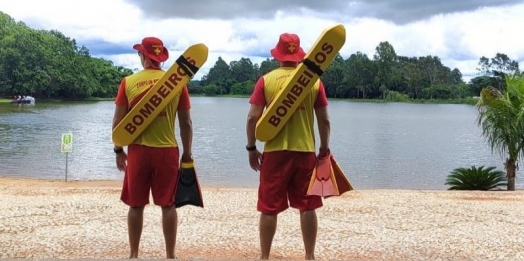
220 76
48 64
211 90
359 74
479 83
242 70
266 66
413 79
498 68
333 77
386 59
501 118
195 87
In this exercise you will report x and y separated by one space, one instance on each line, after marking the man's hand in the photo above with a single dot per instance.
121 161
255 159
187 157
323 152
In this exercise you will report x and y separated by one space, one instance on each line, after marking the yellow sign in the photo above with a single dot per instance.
67 143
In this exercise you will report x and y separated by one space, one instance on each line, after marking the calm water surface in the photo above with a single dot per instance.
380 146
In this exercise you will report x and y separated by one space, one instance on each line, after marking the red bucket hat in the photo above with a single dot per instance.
288 49
153 48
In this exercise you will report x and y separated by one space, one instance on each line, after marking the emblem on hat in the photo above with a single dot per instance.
157 49
292 47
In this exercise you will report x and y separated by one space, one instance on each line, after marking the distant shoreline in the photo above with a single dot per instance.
469 101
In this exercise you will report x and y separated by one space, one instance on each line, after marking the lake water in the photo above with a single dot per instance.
378 145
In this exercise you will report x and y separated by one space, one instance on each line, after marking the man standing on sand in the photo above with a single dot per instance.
288 160
152 162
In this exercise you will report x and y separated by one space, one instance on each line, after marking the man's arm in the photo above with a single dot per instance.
186 125
186 131
258 103
324 127
121 107
255 112
323 122
120 113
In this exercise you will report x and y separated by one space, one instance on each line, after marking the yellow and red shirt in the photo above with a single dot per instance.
298 133
161 131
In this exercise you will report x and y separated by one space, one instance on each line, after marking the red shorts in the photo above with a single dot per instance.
285 175
154 169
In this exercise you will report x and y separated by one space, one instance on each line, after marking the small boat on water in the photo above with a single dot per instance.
23 100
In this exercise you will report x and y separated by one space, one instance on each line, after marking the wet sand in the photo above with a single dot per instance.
43 219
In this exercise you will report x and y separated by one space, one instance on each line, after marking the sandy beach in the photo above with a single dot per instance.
43 219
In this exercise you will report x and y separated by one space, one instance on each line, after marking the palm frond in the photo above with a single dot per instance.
501 117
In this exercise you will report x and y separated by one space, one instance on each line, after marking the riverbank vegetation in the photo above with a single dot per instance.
49 65
385 77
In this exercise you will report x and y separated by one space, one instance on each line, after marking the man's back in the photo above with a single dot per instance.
161 131
298 133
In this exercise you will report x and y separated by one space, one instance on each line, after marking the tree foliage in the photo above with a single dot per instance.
363 77
48 64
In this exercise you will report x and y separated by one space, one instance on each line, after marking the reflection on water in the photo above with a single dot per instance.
395 145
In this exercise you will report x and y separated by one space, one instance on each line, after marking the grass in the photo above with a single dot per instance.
5 100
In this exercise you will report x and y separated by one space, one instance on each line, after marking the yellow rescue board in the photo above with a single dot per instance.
163 92
297 87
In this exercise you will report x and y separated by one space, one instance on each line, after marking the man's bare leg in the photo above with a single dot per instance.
267 229
309 225
135 220
169 225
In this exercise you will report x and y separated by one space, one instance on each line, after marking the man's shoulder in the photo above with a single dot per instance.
147 73
277 73
144 76
265 75
278 70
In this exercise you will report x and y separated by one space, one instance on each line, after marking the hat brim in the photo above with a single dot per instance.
139 48
296 57
158 58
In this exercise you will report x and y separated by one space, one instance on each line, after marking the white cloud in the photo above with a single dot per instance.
459 39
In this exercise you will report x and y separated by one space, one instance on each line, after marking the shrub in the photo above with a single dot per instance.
476 178
395 96
210 90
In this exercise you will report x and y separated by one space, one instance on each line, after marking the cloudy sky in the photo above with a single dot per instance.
459 32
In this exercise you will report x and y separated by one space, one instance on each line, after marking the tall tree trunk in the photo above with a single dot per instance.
511 168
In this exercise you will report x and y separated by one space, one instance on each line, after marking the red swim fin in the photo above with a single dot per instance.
340 178
322 183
